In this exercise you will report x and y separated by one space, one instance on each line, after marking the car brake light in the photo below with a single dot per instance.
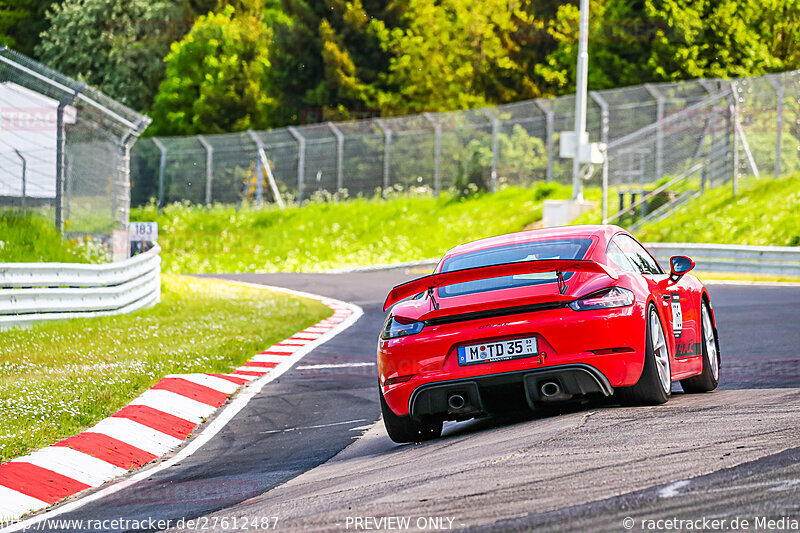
400 327
604 299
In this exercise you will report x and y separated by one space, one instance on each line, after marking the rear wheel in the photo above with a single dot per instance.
405 429
655 384
709 379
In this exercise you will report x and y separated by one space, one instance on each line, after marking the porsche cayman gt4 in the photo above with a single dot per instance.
541 316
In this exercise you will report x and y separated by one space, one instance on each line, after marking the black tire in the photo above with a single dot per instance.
709 379
404 429
649 390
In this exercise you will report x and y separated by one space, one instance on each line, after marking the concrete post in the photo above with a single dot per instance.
437 152
209 166
339 155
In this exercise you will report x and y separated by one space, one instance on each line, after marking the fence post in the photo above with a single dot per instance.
495 120
604 123
660 131
209 166
60 146
24 170
734 112
549 121
387 152
301 161
437 128
339 155
777 82
162 166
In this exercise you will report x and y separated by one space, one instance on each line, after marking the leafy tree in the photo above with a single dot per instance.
114 45
671 40
217 77
21 22
451 54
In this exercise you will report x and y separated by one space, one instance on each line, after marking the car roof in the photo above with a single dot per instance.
601 231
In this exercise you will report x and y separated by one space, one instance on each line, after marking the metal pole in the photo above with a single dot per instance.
387 152
24 170
60 147
162 166
660 131
580 98
777 82
437 128
301 162
122 186
209 166
339 155
734 108
549 121
604 123
262 168
495 120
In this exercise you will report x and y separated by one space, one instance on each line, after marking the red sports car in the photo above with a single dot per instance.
542 316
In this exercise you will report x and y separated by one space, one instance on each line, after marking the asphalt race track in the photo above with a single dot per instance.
308 450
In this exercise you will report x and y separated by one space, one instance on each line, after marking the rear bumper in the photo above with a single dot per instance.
432 399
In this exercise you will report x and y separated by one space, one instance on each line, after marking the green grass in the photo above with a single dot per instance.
58 378
764 212
322 236
28 238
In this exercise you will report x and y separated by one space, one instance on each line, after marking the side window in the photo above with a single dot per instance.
637 255
618 258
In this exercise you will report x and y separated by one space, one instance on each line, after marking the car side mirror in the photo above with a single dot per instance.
679 265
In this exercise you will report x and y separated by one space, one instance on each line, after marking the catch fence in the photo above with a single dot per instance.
666 142
64 148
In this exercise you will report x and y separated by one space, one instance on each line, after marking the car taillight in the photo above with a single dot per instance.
604 299
400 327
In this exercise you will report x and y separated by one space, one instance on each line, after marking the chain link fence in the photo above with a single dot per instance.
665 143
64 148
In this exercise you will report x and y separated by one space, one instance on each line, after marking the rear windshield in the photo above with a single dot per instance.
529 251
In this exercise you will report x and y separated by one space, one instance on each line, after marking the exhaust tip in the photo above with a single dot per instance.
550 389
456 401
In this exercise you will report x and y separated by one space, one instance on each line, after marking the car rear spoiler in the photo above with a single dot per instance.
434 281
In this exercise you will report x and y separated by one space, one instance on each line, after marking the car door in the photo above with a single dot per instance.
678 307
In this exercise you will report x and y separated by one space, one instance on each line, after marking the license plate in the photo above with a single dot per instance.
487 352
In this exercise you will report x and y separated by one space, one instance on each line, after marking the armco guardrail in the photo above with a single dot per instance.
783 260
30 292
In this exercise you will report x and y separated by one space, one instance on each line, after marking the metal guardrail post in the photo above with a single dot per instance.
162 166
301 162
209 166
339 155
495 120
60 147
777 82
604 123
24 179
549 124
387 153
660 131
437 150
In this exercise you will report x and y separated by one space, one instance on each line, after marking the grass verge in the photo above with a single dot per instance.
323 236
765 212
57 379
27 238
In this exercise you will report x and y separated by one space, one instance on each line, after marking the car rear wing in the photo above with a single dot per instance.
434 281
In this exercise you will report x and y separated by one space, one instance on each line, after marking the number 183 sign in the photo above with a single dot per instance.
143 231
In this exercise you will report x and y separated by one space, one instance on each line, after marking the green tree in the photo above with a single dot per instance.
671 40
116 46
452 54
217 77
21 22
